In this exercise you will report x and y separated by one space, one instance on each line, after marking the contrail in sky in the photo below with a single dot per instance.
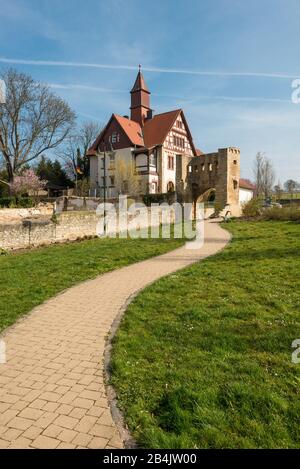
75 87
56 63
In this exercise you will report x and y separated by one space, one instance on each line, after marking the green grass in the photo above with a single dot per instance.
286 195
203 357
29 278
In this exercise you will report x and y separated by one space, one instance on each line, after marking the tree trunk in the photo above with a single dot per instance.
10 172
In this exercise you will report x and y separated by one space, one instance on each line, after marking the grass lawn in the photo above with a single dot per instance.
286 195
29 278
203 357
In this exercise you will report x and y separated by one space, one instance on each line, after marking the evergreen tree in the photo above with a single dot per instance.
53 172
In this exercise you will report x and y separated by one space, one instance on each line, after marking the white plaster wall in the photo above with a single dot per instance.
168 174
245 195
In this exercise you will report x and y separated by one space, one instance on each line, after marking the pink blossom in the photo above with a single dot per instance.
27 182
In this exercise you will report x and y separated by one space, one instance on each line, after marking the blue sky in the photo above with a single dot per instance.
228 63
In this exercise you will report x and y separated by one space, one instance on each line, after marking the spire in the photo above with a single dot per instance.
140 100
140 84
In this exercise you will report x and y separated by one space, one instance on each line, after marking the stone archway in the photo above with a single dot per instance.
198 197
208 196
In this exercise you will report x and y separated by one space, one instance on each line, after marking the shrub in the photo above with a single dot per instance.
283 214
253 208
16 202
218 208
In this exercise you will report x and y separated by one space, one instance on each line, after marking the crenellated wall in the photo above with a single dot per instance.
218 171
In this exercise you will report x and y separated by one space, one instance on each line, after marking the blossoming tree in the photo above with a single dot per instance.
27 183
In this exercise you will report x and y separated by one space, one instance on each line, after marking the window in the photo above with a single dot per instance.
171 162
102 163
234 161
112 157
203 167
210 167
112 180
152 159
114 138
179 142
196 168
170 187
103 182
235 184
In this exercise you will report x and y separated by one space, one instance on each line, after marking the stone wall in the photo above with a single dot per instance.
69 226
36 232
8 215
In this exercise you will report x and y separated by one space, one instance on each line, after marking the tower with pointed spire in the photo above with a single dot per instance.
140 100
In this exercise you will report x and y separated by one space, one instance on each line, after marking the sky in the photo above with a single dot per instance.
229 64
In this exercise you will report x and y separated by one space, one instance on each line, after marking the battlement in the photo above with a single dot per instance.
219 172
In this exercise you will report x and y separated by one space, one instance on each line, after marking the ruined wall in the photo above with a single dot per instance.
219 171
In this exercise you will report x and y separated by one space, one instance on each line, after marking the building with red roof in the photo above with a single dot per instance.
158 149
151 143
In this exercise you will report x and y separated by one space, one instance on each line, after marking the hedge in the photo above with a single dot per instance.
13 202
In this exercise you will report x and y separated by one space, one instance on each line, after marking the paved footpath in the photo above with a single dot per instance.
52 392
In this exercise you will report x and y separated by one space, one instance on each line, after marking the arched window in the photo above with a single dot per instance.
170 186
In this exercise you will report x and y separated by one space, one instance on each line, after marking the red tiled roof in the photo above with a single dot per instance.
199 152
132 129
246 184
156 129
153 133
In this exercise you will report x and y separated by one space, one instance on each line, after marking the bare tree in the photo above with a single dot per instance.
32 120
264 175
73 153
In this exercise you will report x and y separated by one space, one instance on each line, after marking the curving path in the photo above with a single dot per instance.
52 392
